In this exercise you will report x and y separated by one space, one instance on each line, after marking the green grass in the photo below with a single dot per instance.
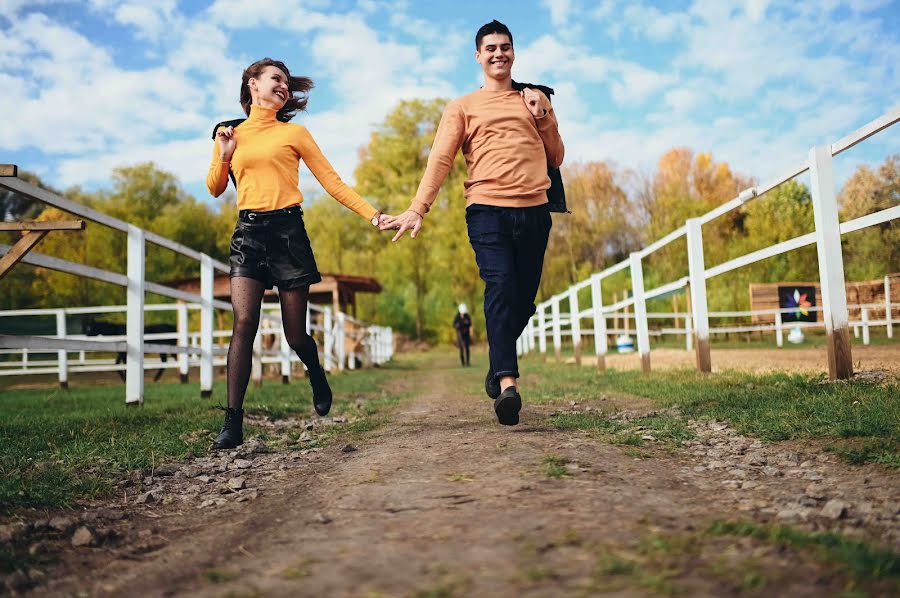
61 446
555 467
860 420
661 563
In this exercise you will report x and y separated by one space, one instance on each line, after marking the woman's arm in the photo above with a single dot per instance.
328 178
217 177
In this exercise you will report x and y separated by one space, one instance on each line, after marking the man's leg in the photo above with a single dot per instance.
531 236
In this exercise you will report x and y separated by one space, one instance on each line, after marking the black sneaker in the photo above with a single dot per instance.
321 391
491 385
507 406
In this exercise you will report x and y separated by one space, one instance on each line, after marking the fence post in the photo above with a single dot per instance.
62 356
831 263
183 365
865 324
134 327
887 307
340 340
688 332
207 280
640 311
575 323
557 333
542 329
601 345
285 355
256 364
779 330
328 325
699 309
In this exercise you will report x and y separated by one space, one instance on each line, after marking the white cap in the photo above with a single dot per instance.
463 309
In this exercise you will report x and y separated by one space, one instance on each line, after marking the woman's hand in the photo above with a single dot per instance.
407 221
227 143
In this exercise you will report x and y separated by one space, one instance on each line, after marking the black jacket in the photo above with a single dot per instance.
556 194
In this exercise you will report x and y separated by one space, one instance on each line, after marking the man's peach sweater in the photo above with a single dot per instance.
507 151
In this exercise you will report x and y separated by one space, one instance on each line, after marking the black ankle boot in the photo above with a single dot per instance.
321 391
491 384
232 434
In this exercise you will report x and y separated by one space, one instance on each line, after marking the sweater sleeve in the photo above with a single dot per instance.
447 141
217 177
323 171
548 129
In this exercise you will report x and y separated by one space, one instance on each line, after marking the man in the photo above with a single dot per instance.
508 139
463 325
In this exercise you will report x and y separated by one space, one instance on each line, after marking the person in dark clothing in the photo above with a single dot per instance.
463 324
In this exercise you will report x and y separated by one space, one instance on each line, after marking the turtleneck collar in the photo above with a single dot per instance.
262 114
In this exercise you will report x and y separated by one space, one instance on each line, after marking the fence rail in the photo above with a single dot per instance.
194 349
826 237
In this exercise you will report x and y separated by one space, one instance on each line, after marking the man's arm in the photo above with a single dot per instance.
447 141
547 126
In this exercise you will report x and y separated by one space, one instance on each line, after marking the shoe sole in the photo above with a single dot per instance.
222 447
507 410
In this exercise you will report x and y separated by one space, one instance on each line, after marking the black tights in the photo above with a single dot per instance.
246 300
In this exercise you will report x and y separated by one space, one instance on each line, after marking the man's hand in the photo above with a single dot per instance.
536 102
227 143
407 221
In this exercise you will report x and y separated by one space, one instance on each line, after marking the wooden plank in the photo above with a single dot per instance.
9 170
49 225
18 251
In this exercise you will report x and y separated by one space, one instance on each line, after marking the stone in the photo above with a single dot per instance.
191 471
243 463
756 460
749 485
38 548
737 473
147 498
814 476
816 491
772 471
11 532
62 524
718 465
167 469
348 448
248 496
788 514
237 483
323 518
305 437
647 437
834 509
699 468
84 536
203 479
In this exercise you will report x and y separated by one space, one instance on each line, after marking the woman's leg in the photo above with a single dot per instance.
293 315
246 298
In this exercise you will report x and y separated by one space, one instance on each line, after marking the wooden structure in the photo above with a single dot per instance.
337 290
764 296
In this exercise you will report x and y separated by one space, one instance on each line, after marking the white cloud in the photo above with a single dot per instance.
560 11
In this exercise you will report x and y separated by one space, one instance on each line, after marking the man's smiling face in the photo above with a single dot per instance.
496 56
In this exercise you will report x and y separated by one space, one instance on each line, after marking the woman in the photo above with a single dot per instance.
463 325
270 246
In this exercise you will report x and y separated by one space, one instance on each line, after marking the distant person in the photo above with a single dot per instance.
270 246
509 139
463 325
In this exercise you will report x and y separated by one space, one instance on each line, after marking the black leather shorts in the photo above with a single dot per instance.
273 247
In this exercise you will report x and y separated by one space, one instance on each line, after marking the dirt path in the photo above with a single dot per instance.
442 501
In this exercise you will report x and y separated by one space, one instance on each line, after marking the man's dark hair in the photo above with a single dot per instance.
494 26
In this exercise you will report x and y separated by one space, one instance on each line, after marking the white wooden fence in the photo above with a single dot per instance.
826 237
193 349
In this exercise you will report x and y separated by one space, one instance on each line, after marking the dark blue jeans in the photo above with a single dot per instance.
509 246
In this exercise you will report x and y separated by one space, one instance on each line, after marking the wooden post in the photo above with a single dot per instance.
831 263
183 365
207 281
640 311
62 355
601 346
697 277
575 323
134 367
557 333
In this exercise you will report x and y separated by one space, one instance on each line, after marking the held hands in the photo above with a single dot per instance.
407 221
536 102
227 143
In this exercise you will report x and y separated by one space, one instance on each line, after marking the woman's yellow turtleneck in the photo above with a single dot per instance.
266 162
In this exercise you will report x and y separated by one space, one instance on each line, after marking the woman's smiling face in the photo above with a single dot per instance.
270 88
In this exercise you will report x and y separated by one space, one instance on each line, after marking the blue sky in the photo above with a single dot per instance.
95 84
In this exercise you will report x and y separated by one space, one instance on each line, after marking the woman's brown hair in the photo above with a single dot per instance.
296 85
